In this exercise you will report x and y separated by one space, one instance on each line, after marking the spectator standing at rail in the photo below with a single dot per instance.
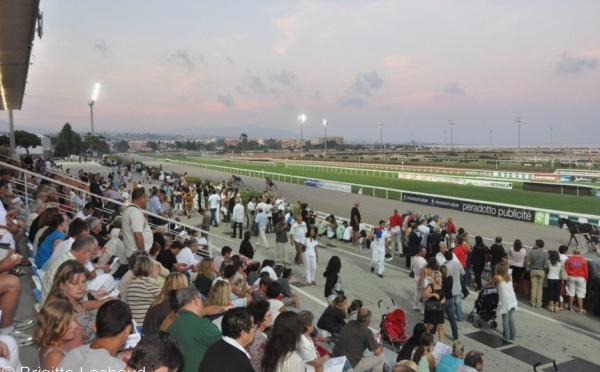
538 258
577 269
355 221
497 253
396 222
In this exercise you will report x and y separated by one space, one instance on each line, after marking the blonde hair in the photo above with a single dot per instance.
458 348
434 274
219 295
174 281
205 267
502 271
52 322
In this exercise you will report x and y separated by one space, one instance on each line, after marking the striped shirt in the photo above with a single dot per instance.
140 295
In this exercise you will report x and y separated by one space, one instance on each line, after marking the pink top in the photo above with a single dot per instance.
517 258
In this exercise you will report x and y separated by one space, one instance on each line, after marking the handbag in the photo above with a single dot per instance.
432 305
411 274
563 274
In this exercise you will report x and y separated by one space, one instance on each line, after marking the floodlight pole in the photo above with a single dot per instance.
301 120
91 103
381 134
519 121
451 135
325 125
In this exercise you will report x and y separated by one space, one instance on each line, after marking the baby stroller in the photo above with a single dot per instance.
485 307
392 328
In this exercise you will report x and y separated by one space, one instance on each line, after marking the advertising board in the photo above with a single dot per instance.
326 185
495 210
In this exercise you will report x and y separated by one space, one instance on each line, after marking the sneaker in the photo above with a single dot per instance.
23 324
381 276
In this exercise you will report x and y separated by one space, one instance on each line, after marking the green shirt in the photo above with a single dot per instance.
195 334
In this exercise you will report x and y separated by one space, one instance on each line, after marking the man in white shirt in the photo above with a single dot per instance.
86 212
379 242
214 201
424 229
238 216
262 221
298 232
137 235
440 255
187 256
418 267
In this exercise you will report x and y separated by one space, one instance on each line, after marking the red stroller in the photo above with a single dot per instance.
392 328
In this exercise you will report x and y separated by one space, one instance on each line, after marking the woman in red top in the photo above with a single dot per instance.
577 269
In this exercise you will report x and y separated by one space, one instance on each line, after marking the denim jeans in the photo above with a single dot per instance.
449 308
213 217
508 324
458 307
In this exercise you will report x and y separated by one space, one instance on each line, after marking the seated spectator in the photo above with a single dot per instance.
423 354
113 325
76 228
355 338
306 347
187 257
55 326
252 272
70 283
225 255
128 276
10 290
45 219
158 352
354 308
407 349
86 212
52 237
205 276
168 258
260 289
339 232
36 207
334 318
261 313
143 288
281 349
474 361
162 271
194 332
228 354
272 297
322 229
267 266
405 366
160 308
450 362
9 355
240 292
289 297
347 237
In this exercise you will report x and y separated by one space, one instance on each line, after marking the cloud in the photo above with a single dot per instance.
100 45
352 101
226 100
182 57
284 78
453 88
364 86
366 83
568 64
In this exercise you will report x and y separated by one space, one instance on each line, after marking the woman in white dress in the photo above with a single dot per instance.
281 351
507 303
311 256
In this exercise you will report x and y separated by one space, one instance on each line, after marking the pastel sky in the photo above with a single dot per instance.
412 65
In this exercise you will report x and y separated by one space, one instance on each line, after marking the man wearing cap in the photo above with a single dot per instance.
379 243
396 222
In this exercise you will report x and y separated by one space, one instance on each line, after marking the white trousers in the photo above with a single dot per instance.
310 264
377 257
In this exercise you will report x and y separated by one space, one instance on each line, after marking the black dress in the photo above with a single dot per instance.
435 317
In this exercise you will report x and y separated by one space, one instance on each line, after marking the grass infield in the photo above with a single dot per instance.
517 196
